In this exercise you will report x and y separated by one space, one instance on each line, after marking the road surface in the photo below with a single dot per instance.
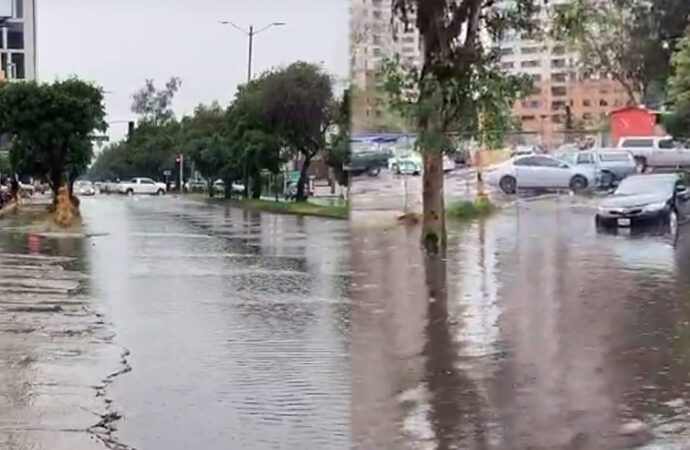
176 325
534 332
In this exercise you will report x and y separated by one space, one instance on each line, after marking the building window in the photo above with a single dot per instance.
587 116
557 105
505 51
559 91
530 63
587 103
559 77
603 102
530 50
558 63
557 118
377 15
377 2
408 50
507 65
558 50
17 60
408 39
15 36
536 78
531 104
527 118
535 91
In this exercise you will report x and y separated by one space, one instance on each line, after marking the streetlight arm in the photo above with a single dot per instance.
267 27
238 28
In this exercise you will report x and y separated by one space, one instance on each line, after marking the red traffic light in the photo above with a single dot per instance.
177 159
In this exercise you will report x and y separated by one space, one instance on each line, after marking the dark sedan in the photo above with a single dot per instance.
660 199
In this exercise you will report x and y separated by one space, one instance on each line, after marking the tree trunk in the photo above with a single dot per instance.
56 181
303 179
256 186
211 190
433 221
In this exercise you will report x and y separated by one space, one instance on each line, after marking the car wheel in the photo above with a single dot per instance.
603 224
578 183
395 169
130 192
670 221
641 163
160 192
607 179
508 184
373 171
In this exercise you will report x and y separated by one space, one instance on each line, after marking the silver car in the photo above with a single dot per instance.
612 164
541 172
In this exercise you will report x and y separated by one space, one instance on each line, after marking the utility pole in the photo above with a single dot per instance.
250 34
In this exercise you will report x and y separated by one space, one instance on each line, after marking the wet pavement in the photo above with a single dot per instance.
534 332
199 326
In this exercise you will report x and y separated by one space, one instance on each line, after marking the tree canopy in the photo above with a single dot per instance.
678 123
51 125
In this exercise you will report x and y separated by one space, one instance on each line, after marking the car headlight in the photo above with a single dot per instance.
655 206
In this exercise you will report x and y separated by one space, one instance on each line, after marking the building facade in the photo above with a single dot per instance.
563 93
18 39
372 39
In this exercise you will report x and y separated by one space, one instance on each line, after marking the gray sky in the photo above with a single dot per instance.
120 43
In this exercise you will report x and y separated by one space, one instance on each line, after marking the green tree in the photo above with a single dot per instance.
154 105
632 40
256 145
678 122
453 89
337 153
297 104
50 126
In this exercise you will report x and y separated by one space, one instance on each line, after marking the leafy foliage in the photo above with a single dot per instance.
632 40
155 105
51 125
678 123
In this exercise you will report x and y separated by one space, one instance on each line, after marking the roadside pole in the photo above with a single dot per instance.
181 173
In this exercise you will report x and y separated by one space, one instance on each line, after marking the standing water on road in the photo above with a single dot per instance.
237 324
533 332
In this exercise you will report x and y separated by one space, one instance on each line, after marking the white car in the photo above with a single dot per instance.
540 172
84 188
448 164
141 186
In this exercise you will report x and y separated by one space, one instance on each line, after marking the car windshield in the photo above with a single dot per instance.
645 184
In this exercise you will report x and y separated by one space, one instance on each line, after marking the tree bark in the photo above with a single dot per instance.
303 179
256 186
433 220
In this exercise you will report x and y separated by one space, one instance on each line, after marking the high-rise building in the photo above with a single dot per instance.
372 39
563 92
18 39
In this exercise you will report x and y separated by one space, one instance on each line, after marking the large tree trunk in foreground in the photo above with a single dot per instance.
303 179
433 220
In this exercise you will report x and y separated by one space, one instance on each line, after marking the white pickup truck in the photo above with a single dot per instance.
656 151
138 186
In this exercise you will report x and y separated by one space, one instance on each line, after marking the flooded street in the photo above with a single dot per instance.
235 326
534 332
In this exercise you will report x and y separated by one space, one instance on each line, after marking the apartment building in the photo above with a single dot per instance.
562 88
18 39
372 39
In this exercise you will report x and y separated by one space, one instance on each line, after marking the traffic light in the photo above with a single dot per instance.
130 129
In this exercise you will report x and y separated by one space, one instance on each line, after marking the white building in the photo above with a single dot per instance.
372 40
18 39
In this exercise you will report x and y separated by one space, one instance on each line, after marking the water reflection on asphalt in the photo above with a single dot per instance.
533 332
237 323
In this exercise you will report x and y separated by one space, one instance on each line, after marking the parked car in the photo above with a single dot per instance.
448 164
540 172
655 151
410 159
661 199
141 186
84 188
408 167
219 187
197 186
26 190
368 162
612 164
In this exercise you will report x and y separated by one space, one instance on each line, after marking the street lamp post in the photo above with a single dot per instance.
250 34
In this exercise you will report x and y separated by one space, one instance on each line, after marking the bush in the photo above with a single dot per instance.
466 209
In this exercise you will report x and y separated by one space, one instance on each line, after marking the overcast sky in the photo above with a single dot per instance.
120 43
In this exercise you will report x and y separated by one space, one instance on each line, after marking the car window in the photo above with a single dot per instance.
637 143
545 161
147 181
135 181
527 161
615 157
666 143
585 158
